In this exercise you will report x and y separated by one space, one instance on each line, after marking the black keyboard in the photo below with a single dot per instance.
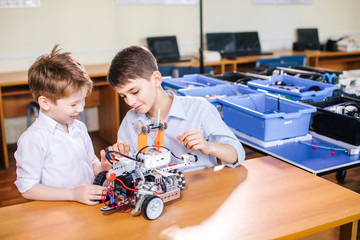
242 54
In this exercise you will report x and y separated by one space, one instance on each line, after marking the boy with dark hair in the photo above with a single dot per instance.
55 157
193 123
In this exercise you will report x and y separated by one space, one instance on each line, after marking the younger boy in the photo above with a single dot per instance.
193 123
55 157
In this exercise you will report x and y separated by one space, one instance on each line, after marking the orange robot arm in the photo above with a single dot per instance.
159 140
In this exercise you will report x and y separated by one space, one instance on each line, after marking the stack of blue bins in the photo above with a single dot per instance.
251 112
294 88
213 93
219 91
267 117
190 81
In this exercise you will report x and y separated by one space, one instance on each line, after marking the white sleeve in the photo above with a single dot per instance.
126 131
30 158
92 158
217 131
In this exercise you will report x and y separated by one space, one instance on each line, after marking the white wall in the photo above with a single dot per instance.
276 24
95 29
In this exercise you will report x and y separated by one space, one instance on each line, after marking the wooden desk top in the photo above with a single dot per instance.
100 70
318 53
21 78
238 60
263 199
13 78
276 53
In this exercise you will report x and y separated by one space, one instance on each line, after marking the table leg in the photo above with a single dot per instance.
3 148
349 231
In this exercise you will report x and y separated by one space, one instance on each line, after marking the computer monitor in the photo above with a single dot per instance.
236 44
309 37
222 42
247 42
164 48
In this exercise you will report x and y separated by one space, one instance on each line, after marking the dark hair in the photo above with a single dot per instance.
57 75
131 63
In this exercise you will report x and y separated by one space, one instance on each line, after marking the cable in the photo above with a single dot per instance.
252 100
172 153
122 183
237 92
123 155
109 158
323 147
194 83
137 154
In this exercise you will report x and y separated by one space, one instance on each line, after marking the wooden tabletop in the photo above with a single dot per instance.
21 78
100 70
264 198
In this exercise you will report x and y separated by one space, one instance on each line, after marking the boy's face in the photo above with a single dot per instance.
139 94
66 110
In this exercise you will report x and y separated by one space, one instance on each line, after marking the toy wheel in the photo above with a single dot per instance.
144 130
100 179
152 207
181 180
137 127
340 176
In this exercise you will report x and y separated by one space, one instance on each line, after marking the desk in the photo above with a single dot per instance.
15 96
333 60
264 198
315 58
241 64
317 161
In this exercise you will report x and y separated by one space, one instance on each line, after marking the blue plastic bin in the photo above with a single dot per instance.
219 91
213 93
267 117
294 88
283 61
190 81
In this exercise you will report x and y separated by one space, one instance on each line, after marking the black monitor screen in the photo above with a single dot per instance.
308 36
247 42
221 42
163 47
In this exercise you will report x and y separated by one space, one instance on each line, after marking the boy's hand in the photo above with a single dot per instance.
105 164
121 146
194 140
88 194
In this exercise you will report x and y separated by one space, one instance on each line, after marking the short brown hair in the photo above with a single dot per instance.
131 63
57 75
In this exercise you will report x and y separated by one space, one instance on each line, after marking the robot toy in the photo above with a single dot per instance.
145 181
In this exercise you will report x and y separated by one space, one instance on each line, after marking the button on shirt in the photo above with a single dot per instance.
186 113
49 155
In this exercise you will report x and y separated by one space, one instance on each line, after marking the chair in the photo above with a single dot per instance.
283 61
34 108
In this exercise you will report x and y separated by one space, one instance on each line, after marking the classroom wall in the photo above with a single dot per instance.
94 30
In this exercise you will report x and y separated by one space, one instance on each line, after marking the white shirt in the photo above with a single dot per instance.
48 155
186 113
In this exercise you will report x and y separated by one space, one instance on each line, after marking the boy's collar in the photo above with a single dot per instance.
177 109
50 123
